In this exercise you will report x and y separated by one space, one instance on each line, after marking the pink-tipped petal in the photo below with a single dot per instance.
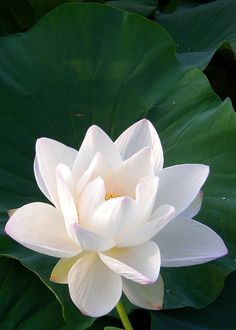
145 296
40 227
185 242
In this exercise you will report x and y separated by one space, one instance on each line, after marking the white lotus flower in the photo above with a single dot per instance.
117 216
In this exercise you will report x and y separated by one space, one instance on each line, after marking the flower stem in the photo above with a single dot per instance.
123 316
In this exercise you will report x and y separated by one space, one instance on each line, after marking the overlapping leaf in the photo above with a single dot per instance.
83 64
20 15
141 7
199 31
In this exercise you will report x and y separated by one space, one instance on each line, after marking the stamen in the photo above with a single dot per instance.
111 195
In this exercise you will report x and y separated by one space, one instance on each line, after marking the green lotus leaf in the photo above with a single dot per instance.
20 15
88 63
199 31
26 303
218 315
141 7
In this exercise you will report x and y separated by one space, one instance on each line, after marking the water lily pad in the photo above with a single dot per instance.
84 64
199 31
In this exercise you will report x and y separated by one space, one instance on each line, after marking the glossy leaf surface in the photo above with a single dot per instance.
199 31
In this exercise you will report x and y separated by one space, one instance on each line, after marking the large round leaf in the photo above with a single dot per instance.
218 315
26 304
199 31
85 64
141 7
20 15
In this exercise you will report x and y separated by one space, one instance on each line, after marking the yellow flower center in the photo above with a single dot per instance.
111 195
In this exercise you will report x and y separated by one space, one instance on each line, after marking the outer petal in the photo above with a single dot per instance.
188 242
124 180
40 227
180 184
96 140
11 212
49 154
144 233
146 296
61 270
94 288
116 216
193 208
140 263
138 136
39 179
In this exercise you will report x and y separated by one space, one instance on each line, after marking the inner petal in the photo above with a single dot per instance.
123 180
